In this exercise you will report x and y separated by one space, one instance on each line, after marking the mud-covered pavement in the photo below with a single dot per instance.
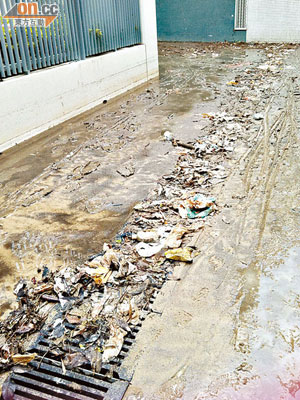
229 329
61 195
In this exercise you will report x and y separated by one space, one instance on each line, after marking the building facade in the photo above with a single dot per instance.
228 20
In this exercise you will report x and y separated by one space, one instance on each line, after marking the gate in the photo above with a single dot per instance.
83 28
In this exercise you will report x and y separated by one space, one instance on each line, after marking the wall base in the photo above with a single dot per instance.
45 98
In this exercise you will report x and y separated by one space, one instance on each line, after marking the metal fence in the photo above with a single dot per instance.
83 28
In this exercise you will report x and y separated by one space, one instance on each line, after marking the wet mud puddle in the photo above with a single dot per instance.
66 192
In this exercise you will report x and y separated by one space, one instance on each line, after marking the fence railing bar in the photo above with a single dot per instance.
31 49
58 36
129 21
22 37
124 24
138 30
42 37
24 65
36 47
68 24
80 28
2 73
101 46
137 24
9 47
50 47
47 42
118 23
75 33
43 50
102 43
96 24
4 52
86 26
101 10
64 37
26 51
14 39
114 33
54 44
93 25
113 27
137 27
123 15
46 47
135 21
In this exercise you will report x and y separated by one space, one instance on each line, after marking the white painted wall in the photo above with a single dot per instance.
31 104
149 34
273 21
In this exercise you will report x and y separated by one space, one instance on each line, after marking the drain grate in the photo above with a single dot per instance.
46 380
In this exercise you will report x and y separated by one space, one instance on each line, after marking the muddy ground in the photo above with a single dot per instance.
229 329
61 195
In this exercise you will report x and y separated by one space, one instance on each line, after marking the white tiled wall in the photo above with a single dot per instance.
273 21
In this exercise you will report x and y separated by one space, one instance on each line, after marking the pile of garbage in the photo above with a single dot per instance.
97 304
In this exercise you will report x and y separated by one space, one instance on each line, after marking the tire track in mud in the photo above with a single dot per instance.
286 131
263 181
278 137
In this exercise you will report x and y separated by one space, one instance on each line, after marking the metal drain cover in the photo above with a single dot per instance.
46 380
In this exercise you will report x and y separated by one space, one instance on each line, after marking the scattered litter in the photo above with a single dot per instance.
185 145
100 275
169 136
23 359
180 254
147 237
126 170
148 250
174 239
258 116
80 171
113 347
199 206
232 83
225 221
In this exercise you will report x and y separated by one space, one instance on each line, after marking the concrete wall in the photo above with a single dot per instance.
36 102
273 21
197 21
149 34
